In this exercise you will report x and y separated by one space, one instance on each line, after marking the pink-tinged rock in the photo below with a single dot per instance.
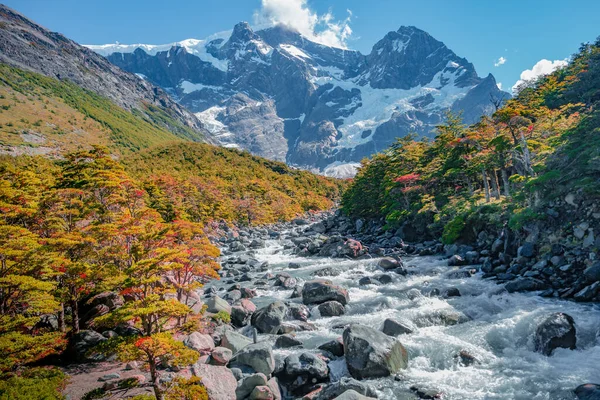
219 381
221 355
248 305
199 342
261 393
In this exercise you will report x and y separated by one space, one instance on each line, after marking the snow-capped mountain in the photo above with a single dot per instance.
282 96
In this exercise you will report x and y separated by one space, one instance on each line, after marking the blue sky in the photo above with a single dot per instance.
522 32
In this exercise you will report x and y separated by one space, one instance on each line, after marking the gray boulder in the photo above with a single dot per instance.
270 318
321 290
391 327
588 391
332 309
372 354
258 356
556 330
342 386
234 341
302 371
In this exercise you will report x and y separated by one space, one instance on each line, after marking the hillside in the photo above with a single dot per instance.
30 47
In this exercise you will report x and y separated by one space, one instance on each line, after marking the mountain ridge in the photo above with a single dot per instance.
280 95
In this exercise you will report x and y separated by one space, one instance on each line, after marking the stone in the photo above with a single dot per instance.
524 285
234 341
248 383
298 311
286 341
592 273
392 327
199 342
342 386
384 278
83 341
367 280
216 304
372 354
302 371
261 393
526 250
321 290
456 261
270 318
109 377
588 391
465 358
221 355
258 356
240 317
556 330
335 347
353 395
445 317
452 292
219 381
389 263
273 384
332 309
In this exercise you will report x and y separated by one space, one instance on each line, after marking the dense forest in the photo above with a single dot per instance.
541 145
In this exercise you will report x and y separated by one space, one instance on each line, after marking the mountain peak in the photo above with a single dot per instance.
242 32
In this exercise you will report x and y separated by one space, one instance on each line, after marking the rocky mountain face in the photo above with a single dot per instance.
28 46
282 96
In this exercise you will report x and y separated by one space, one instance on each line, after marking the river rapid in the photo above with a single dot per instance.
499 334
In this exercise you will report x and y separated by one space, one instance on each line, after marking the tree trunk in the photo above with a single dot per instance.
154 378
495 185
526 156
505 182
75 312
61 318
486 185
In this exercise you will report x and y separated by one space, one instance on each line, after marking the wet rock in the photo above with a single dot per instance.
298 311
372 354
257 244
367 280
425 393
258 356
296 293
524 285
320 290
219 381
273 384
556 330
465 358
329 271
452 292
335 347
332 309
588 391
389 263
109 377
392 327
302 371
269 319
248 293
199 342
248 383
456 261
287 341
384 278
445 317
588 292
240 317
234 341
461 273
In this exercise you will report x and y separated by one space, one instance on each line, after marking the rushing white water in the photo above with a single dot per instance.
499 335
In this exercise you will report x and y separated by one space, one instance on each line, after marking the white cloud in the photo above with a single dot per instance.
322 29
499 62
499 84
542 68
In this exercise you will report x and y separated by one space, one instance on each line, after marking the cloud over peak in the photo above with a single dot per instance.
296 14
541 68
499 62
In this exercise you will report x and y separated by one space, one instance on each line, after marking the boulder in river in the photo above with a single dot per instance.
342 387
269 319
389 263
302 371
335 347
556 330
321 290
372 354
332 309
353 395
524 285
588 391
287 341
391 327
